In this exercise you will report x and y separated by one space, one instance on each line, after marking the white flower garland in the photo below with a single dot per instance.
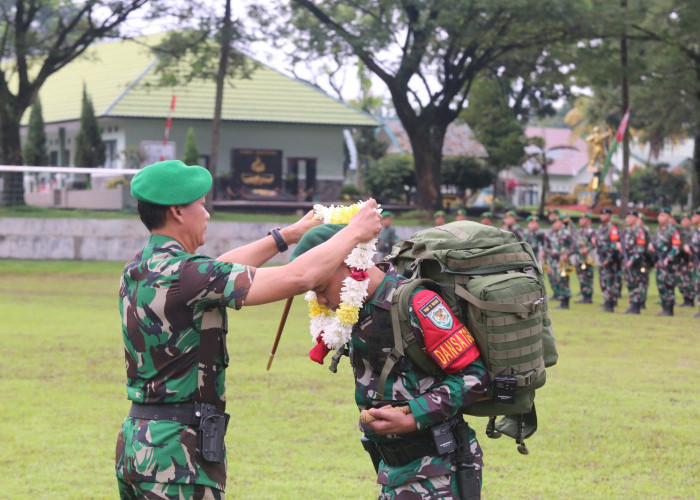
335 330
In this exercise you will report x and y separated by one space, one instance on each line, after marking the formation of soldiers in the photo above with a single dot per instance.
625 252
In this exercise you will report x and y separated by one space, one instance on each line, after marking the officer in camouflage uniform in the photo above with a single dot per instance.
536 237
585 266
693 248
634 244
407 462
648 258
562 252
607 243
510 225
667 246
685 278
387 237
174 322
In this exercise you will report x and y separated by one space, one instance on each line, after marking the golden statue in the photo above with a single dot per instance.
597 141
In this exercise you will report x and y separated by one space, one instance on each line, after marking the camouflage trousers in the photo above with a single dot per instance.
635 284
666 283
645 283
686 281
609 278
585 279
167 491
437 488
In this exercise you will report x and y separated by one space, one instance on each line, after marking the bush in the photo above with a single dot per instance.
559 199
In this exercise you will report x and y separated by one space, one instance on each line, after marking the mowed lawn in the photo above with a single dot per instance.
618 418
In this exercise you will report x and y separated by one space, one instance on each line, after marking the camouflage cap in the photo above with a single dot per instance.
485 215
314 237
171 182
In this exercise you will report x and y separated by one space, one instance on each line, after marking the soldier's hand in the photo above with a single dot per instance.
367 222
293 233
389 421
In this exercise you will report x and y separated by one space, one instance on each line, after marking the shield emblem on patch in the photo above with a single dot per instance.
440 317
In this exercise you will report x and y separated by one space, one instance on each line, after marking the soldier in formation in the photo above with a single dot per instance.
510 225
685 278
586 264
536 237
562 252
693 248
387 236
487 218
667 246
608 248
634 245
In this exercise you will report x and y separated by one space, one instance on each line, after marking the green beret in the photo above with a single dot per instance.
666 210
563 217
511 213
642 216
462 211
555 211
697 211
486 214
532 217
386 213
314 237
585 215
171 182
439 213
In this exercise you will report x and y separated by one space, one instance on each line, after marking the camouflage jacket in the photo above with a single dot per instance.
537 241
515 229
584 239
386 240
634 242
169 300
561 243
695 245
432 401
668 243
606 239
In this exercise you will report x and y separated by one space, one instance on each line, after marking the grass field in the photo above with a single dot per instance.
618 418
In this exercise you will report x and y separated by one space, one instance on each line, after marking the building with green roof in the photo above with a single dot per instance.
278 134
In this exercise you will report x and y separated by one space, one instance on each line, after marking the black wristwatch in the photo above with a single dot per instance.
281 244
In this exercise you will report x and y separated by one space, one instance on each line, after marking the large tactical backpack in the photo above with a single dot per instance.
494 285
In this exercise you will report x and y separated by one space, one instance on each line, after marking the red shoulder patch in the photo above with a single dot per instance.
447 340
641 239
614 234
676 238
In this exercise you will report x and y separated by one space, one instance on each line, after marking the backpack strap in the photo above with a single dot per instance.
405 342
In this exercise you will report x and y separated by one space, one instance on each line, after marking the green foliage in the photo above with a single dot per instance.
89 146
388 179
63 391
495 124
191 152
35 152
656 185
466 172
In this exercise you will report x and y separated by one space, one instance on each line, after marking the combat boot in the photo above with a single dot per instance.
688 302
667 309
563 303
608 307
633 309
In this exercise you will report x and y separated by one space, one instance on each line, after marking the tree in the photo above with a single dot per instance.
89 146
495 125
657 185
191 152
391 178
537 152
428 54
35 152
466 172
205 52
37 39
